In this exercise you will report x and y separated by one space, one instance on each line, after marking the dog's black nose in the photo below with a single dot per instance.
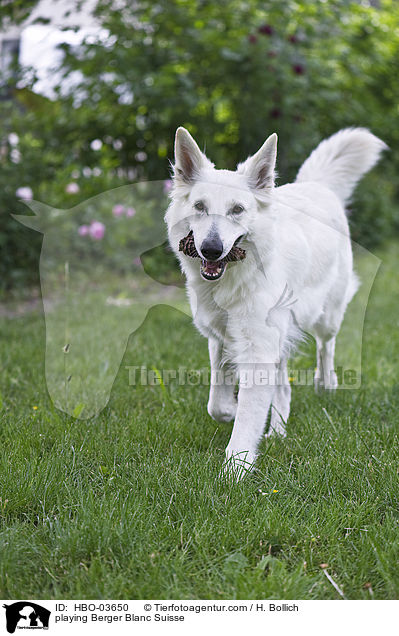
212 248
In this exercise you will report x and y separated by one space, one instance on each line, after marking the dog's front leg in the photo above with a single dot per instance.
222 404
254 398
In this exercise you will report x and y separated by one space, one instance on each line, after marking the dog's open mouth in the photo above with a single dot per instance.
211 270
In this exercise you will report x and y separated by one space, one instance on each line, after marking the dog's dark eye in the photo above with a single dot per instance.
237 209
199 205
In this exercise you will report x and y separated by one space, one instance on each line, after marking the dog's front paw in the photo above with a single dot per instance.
276 427
238 464
222 412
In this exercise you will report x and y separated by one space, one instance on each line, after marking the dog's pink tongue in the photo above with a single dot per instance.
211 267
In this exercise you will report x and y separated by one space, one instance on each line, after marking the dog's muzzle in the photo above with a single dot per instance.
211 270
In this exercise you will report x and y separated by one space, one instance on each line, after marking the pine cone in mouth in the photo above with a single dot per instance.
211 270
187 246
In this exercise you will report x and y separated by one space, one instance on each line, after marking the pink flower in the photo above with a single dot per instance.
118 209
25 192
266 29
130 212
83 230
72 188
299 69
275 113
97 230
167 185
137 260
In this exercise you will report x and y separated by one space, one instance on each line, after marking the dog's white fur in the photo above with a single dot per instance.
297 275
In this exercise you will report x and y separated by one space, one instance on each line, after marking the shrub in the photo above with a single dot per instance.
232 73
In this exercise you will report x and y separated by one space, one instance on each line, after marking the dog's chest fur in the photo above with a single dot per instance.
232 308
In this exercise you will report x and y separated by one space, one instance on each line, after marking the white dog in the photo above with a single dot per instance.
297 275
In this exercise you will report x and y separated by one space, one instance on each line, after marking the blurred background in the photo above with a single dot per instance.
91 93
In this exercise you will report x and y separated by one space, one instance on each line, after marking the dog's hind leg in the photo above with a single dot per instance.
326 330
222 404
318 376
281 402
325 375
327 358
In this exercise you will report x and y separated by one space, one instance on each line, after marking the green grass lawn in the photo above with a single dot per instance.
130 504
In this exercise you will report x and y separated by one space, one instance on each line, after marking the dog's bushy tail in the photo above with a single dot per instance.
340 161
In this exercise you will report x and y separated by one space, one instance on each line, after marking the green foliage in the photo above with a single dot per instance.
373 215
232 73
15 11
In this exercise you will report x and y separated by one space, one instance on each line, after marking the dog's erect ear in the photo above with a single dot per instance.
259 169
188 157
